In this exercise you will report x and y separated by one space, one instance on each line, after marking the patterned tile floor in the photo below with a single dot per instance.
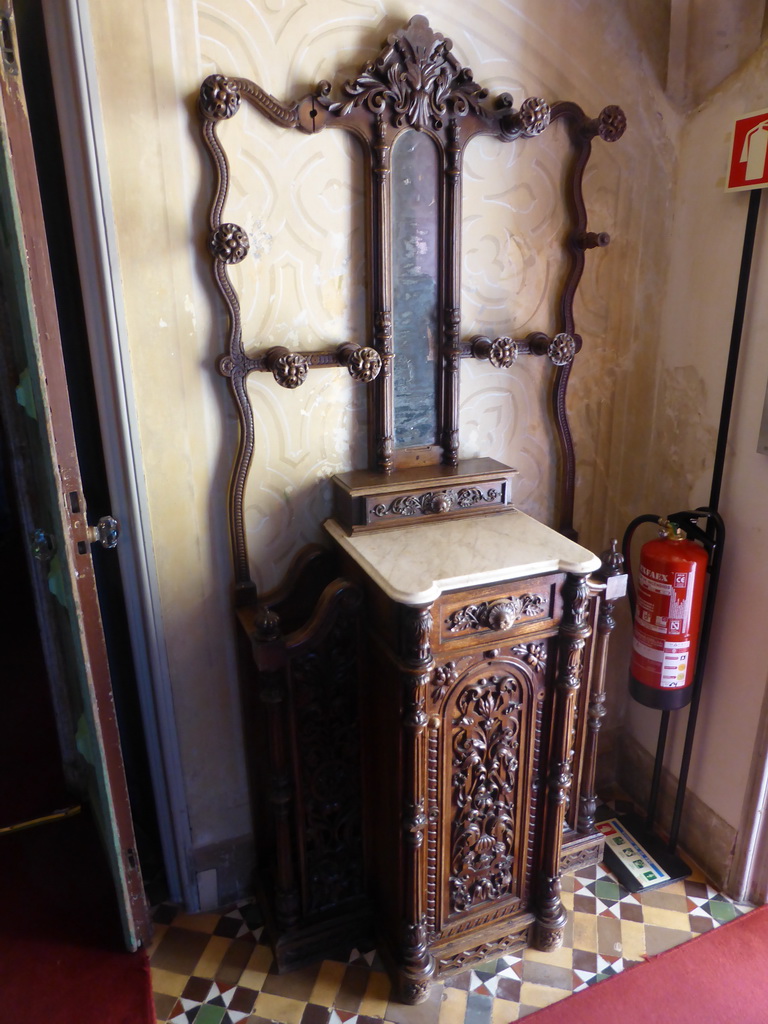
217 969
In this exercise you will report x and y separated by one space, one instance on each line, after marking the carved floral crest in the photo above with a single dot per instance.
418 75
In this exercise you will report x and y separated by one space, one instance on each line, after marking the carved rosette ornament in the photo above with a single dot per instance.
229 243
503 353
562 349
289 369
611 124
219 97
364 365
534 655
500 352
534 116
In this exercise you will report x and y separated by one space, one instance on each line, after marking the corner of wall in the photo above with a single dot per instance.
224 872
705 837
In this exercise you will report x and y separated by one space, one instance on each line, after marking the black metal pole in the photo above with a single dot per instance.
658 765
717 532
733 355
715 528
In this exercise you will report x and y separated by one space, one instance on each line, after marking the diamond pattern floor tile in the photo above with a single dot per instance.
218 969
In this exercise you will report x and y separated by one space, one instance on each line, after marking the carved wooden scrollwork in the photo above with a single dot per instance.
479 954
435 502
414 823
485 746
498 615
444 678
420 80
416 625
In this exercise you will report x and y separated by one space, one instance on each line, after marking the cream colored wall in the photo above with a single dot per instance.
300 287
707 235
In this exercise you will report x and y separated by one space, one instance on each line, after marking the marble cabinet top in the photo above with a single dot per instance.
417 562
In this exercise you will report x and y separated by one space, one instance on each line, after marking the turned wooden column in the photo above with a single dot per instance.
574 632
417 965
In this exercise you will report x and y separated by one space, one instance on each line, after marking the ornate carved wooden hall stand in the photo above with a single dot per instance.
422 699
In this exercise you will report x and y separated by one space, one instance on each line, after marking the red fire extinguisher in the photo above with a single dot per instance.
669 599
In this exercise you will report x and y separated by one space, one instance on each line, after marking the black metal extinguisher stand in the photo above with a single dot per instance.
712 538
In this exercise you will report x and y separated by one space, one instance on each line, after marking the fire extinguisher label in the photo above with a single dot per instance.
669 658
661 644
664 602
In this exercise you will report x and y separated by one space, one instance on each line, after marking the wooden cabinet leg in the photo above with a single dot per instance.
574 632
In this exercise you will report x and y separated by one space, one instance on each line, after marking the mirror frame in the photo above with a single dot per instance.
415 83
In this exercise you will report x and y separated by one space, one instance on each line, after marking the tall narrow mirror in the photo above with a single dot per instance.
415 288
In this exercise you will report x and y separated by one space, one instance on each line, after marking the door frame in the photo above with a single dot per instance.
75 82
50 499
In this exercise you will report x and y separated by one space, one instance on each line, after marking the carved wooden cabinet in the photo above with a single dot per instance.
476 680
423 697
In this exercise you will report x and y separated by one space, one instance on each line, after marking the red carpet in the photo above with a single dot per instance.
720 977
61 954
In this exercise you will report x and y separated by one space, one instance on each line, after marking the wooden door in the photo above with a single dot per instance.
36 415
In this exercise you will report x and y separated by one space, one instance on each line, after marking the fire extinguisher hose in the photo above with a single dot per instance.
626 548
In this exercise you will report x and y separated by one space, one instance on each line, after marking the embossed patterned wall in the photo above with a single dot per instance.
301 286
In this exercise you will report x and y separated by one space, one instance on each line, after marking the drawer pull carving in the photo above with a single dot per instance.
437 502
497 615
504 614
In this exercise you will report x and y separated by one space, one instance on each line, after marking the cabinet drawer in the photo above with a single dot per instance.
499 611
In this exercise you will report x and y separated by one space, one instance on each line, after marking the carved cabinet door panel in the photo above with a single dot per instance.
485 750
